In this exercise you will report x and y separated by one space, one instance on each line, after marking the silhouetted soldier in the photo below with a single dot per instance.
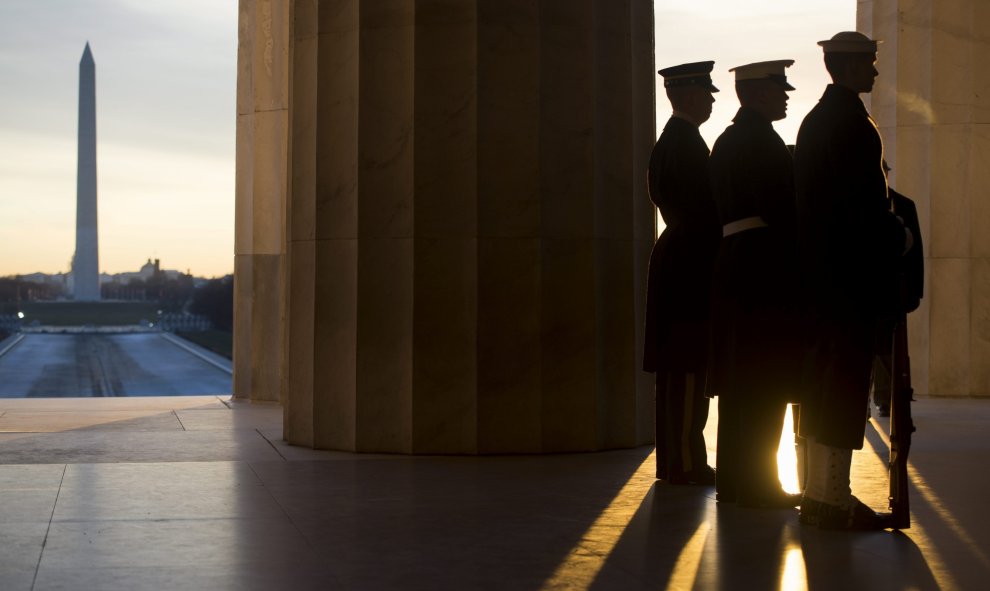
850 245
914 275
755 358
680 277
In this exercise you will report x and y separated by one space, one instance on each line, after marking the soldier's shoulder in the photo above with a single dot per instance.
828 119
677 127
901 202
678 137
732 138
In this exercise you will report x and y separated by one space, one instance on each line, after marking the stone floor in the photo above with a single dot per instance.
202 493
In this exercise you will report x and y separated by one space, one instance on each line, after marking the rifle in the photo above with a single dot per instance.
901 424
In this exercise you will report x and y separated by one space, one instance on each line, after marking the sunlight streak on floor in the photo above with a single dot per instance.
685 571
587 558
936 564
794 576
590 553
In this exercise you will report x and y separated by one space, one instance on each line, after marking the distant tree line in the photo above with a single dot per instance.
15 289
215 300
171 293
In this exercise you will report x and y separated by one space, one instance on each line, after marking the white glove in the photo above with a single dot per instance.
908 236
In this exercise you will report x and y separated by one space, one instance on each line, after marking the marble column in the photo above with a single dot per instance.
261 189
932 103
467 228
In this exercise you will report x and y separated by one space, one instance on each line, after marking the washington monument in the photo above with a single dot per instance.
85 263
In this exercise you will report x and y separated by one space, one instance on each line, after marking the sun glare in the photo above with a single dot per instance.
786 455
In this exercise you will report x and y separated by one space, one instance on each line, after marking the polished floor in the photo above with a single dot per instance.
202 493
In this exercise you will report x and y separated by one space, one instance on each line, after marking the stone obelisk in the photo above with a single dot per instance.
85 263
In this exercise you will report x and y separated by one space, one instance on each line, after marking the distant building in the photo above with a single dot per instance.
54 279
149 269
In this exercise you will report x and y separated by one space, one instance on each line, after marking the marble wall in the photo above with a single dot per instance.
932 103
450 197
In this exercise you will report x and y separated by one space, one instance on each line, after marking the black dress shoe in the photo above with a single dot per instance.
775 500
810 511
725 497
858 517
705 477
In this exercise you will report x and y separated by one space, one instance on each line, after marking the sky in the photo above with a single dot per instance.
739 32
166 105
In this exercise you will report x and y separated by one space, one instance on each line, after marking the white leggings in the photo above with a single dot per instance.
828 474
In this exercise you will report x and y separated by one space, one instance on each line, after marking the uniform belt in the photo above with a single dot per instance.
743 225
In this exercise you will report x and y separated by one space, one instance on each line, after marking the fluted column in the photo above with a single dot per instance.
261 189
467 225
932 103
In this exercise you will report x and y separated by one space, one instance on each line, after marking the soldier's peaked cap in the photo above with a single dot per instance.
849 42
772 70
693 74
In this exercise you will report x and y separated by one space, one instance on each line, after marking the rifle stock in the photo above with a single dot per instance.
901 426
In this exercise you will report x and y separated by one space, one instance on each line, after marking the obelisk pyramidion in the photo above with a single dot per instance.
85 263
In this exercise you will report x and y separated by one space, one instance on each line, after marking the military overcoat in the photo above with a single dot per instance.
850 246
679 283
755 345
